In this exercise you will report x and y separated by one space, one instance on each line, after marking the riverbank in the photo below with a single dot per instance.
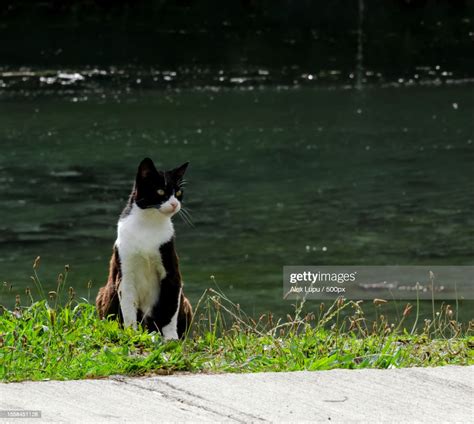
49 341
433 395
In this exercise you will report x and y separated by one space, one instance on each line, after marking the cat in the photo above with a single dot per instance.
144 283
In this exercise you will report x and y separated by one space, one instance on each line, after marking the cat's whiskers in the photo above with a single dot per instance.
187 211
186 219
186 216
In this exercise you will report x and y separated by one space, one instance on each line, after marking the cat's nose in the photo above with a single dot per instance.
174 204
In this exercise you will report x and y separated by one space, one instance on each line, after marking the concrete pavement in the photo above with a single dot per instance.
428 395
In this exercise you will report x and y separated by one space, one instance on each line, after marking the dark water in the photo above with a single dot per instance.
279 176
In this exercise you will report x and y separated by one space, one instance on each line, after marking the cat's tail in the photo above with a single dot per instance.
185 316
99 303
107 302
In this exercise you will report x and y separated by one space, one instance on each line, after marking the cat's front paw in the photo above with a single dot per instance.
169 339
169 334
133 325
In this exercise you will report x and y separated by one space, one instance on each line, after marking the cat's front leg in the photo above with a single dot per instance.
165 313
128 303
170 331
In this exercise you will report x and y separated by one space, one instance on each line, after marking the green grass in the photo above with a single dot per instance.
64 339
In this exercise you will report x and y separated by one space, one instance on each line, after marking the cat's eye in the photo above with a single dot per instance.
161 192
179 193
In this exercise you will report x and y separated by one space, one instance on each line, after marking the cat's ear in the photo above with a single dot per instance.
178 172
145 168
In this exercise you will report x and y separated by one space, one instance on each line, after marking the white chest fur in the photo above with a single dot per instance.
140 235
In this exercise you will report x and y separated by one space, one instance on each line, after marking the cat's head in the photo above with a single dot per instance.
161 190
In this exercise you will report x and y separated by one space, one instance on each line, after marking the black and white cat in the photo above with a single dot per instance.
144 283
